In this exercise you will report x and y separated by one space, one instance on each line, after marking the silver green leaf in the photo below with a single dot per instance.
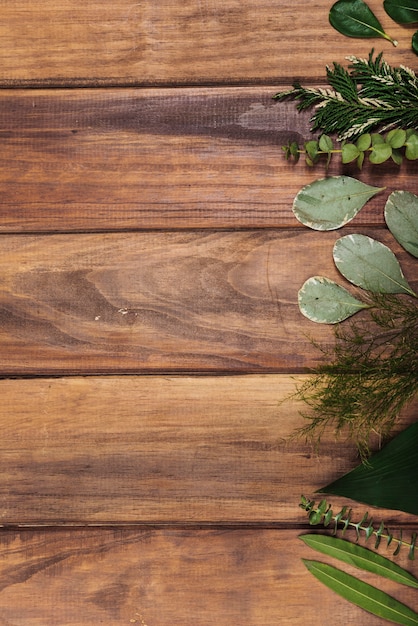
360 557
362 594
370 264
323 301
329 203
401 215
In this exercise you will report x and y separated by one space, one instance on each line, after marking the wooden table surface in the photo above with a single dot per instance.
150 336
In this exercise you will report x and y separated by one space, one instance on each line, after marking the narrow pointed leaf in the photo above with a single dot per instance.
360 557
329 203
354 18
362 594
401 215
402 11
369 264
323 301
389 479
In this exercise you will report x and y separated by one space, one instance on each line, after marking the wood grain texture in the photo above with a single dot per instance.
125 159
170 577
173 450
126 42
171 301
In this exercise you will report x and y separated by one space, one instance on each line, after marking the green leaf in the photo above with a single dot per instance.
362 594
411 151
323 301
389 478
396 137
329 203
349 152
401 215
354 18
414 44
380 153
402 11
360 557
364 142
369 264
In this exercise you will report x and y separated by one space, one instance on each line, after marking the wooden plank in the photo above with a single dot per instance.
170 301
121 159
175 42
160 449
177 577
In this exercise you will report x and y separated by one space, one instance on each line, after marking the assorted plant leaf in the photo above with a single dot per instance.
360 557
401 216
402 11
329 203
354 18
324 301
362 594
368 96
322 514
389 478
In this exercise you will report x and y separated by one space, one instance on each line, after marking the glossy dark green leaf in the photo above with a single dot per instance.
402 11
362 594
414 42
360 557
389 479
354 18
401 215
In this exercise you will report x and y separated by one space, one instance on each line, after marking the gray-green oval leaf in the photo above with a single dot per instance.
401 215
323 301
360 557
402 11
354 18
329 203
370 264
362 594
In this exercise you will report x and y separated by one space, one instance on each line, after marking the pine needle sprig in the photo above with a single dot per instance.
369 377
369 95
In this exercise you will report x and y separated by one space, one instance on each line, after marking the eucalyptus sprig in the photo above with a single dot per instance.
370 95
397 144
343 520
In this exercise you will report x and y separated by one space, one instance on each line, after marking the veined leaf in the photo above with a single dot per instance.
401 215
362 594
354 18
329 203
414 42
370 264
402 11
389 479
323 301
360 557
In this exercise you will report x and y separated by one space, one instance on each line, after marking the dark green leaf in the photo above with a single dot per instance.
402 11
354 18
414 42
389 479
360 557
362 594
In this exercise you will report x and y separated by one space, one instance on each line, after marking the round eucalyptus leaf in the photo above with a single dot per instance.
329 203
401 215
369 264
323 301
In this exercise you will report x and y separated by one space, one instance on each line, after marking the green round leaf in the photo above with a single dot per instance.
354 18
369 264
396 138
364 142
325 143
329 203
380 153
349 152
402 11
323 301
401 215
411 151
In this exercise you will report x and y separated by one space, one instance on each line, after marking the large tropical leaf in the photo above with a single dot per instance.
401 215
362 594
370 264
389 479
329 203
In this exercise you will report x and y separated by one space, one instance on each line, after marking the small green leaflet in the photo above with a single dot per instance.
401 215
354 18
362 594
360 557
329 203
389 478
402 11
323 301
370 264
